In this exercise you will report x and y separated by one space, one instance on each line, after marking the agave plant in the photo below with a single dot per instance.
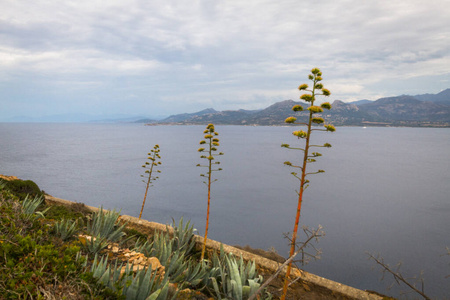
144 284
183 236
211 142
234 279
306 156
175 254
65 229
104 226
94 245
160 247
153 157
163 244
30 205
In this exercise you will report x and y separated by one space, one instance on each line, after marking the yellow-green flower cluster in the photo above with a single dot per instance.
326 105
303 87
318 120
212 142
315 109
326 92
300 133
307 97
297 108
290 120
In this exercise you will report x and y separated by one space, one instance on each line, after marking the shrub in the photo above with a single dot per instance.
74 211
22 188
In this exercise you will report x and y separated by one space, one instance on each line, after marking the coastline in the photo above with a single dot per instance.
316 287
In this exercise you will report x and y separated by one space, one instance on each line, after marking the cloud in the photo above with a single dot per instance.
223 53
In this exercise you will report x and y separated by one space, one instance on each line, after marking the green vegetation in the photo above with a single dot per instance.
102 230
211 141
153 157
140 285
34 262
65 251
23 188
235 279
317 89
66 257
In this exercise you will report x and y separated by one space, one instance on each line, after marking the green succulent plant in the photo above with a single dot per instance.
232 278
144 284
212 142
183 236
30 205
175 253
153 162
103 228
65 229
315 90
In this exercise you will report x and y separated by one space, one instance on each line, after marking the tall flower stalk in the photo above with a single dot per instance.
317 89
211 142
153 157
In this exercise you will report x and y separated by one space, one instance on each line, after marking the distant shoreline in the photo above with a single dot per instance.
367 124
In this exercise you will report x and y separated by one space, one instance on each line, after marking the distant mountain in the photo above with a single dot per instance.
405 108
146 121
361 102
83 118
393 111
185 117
134 119
60 118
440 98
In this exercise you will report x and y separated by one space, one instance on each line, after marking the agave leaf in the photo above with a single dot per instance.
216 287
106 276
154 295
253 287
236 292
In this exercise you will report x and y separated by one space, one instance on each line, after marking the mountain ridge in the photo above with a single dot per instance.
431 110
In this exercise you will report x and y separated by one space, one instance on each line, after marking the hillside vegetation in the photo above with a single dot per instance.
55 252
419 111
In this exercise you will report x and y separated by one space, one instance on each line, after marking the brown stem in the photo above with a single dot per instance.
148 184
300 200
209 200
399 276
288 261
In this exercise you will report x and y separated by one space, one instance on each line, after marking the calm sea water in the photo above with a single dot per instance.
385 190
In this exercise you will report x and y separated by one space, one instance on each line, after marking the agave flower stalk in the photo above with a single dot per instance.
211 142
317 89
153 157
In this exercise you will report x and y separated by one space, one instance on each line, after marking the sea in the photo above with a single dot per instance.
385 190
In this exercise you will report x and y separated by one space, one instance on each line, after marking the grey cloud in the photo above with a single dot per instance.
203 50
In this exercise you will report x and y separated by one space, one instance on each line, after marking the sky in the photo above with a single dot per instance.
164 57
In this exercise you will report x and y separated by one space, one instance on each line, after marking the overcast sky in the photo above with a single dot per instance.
162 57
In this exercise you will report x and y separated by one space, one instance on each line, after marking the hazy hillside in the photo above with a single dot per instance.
440 98
429 110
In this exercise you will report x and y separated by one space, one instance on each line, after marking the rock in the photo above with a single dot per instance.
154 262
188 294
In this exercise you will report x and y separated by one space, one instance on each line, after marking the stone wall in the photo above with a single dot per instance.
310 285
